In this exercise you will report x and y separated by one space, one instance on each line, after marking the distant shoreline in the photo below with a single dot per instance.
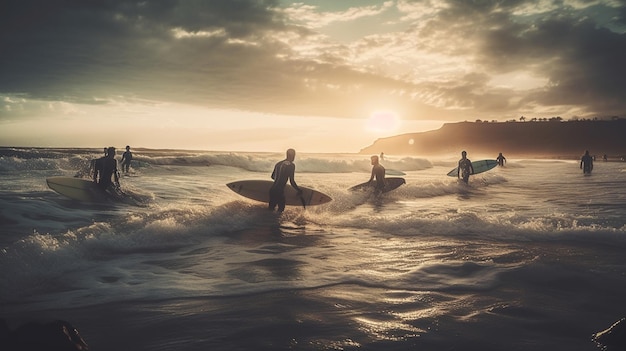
552 139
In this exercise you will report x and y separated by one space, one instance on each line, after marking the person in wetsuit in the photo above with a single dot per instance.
283 171
501 160
127 156
586 162
105 168
465 168
378 173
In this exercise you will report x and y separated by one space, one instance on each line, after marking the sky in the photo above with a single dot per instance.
314 75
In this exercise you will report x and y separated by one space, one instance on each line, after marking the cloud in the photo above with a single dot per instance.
438 59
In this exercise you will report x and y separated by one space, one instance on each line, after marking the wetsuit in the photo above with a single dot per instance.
127 156
501 160
106 167
378 172
283 171
465 168
586 163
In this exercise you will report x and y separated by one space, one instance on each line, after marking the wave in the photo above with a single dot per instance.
16 159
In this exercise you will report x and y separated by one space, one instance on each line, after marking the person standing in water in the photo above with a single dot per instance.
465 168
283 171
127 156
378 173
586 163
501 160
105 168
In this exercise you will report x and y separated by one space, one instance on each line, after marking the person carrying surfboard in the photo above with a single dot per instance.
283 171
378 172
105 168
465 167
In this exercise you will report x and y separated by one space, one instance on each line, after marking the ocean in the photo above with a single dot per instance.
529 256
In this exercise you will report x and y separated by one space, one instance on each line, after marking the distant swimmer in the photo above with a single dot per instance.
127 156
104 169
378 173
586 163
501 160
465 168
382 156
283 171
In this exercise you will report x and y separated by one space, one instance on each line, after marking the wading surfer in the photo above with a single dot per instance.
501 159
465 168
104 169
127 156
586 163
378 173
283 171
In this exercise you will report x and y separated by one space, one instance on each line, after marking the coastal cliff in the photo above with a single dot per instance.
517 139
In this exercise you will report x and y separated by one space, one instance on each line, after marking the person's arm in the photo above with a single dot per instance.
458 170
292 181
581 163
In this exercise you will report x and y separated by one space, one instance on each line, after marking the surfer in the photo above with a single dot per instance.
586 162
501 159
378 172
283 171
105 168
127 156
465 167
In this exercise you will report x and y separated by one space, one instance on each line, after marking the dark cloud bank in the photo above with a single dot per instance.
89 51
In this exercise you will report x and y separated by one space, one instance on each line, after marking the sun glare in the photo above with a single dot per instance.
383 121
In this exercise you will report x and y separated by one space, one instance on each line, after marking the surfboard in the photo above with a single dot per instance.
479 167
259 190
392 183
77 189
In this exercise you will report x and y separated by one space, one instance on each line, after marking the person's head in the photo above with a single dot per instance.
464 153
374 160
587 152
291 154
111 151
500 154
127 147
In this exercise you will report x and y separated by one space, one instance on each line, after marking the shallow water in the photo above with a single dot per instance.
528 256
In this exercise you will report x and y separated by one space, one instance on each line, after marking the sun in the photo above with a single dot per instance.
383 121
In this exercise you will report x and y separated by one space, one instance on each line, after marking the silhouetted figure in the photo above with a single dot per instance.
283 171
382 156
378 173
127 156
104 169
465 168
586 163
605 158
501 160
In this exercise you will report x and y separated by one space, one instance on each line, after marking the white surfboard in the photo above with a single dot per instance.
479 167
77 188
259 190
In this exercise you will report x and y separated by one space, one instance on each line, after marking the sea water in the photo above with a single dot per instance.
529 256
